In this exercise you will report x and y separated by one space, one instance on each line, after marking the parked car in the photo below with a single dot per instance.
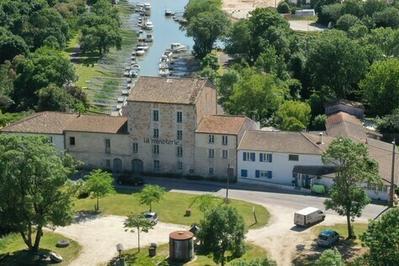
308 216
130 180
151 216
327 238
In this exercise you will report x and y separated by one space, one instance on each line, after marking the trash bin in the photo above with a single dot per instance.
152 250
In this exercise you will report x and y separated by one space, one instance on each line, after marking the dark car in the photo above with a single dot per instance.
327 238
130 180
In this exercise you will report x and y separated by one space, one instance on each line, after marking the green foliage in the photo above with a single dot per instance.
138 223
338 63
11 45
389 17
209 67
195 7
53 98
329 13
254 262
32 175
151 194
205 202
226 83
293 116
330 257
222 230
354 168
8 118
380 87
256 95
319 122
99 183
382 239
385 39
283 7
389 123
347 21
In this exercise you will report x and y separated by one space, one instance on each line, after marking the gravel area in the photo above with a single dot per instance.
98 235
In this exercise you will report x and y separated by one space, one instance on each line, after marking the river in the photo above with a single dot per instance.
165 32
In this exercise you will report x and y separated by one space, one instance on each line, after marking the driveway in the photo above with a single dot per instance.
99 236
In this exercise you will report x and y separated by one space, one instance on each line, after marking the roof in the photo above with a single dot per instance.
315 170
307 210
281 141
221 124
167 90
57 123
342 124
41 123
181 235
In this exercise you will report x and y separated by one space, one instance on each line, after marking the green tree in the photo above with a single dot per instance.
206 28
222 230
354 169
226 83
99 183
329 13
347 21
53 98
205 202
330 257
389 123
338 63
389 17
138 223
283 7
293 115
151 194
380 87
11 45
195 7
256 95
382 239
32 174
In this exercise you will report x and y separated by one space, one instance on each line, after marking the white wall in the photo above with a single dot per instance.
280 166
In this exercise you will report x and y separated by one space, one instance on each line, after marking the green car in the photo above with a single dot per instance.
318 189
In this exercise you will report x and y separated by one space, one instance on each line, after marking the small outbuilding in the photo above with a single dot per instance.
181 246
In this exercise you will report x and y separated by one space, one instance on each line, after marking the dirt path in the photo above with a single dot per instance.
240 8
99 236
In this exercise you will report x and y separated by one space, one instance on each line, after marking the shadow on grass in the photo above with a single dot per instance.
86 215
26 257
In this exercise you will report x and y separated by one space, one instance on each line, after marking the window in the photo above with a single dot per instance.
211 153
50 139
107 146
72 141
225 154
135 147
244 173
248 156
155 149
156 164
155 134
265 157
293 157
179 151
179 117
224 140
211 139
263 173
211 171
180 165
179 135
108 164
155 115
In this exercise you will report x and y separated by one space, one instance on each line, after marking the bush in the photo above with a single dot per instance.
283 8
347 21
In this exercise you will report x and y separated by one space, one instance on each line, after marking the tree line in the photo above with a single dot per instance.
284 78
35 72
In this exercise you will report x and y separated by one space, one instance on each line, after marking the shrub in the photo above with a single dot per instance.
283 8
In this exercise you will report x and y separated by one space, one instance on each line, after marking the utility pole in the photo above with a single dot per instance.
391 202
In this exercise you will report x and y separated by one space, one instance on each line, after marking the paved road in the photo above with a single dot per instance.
264 195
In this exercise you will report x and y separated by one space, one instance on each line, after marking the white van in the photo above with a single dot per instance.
308 216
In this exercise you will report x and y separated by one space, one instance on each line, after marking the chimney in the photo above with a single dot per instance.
321 138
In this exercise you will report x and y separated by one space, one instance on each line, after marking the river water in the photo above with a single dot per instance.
165 32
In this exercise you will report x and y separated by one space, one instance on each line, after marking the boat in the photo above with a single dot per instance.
144 46
178 47
164 72
139 51
148 25
163 65
125 92
135 66
169 13
147 6
149 38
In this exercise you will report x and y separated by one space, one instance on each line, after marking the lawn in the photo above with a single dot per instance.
19 255
142 258
171 209
341 229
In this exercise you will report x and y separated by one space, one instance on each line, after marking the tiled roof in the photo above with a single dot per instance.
57 123
281 141
44 123
167 90
345 125
221 124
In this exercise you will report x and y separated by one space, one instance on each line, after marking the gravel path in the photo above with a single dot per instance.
99 235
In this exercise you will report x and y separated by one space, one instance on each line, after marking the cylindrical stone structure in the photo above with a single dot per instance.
181 246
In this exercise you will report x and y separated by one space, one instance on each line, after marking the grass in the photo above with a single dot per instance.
341 229
132 257
19 255
171 208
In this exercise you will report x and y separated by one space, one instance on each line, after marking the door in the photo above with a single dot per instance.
117 165
137 166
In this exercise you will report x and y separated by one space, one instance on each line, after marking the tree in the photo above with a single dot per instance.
347 21
253 262
138 223
151 194
99 183
53 98
389 123
32 174
354 169
380 87
329 13
222 230
195 7
330 257
382 239
283 8
205 202
389 17
206 28
11 45
256 95
293 115
338 63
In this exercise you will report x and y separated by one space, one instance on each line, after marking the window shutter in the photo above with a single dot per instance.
253 156
257 173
